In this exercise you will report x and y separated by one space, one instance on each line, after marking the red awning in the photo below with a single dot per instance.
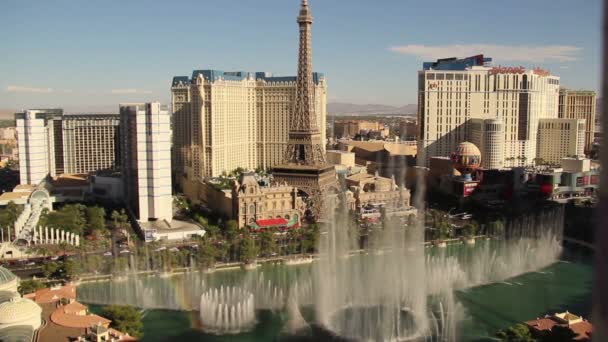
274 222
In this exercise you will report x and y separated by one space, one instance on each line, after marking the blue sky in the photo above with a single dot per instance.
95 54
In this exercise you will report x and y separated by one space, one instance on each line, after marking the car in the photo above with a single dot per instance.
30 264
107 254
124 251
160 249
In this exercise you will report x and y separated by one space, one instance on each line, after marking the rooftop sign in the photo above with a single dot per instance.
507 70
541 72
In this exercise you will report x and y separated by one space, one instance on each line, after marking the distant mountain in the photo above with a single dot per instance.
7 114
337 108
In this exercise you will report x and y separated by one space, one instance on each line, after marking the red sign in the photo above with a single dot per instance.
595 179
541 72
507 70
586 180
469 188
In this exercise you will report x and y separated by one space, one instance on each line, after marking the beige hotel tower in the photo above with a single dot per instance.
225 120
465 99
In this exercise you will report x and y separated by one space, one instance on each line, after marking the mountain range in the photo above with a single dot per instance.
339 108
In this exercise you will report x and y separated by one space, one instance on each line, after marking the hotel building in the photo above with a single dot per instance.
36 143
52 143
560 138
579 104
145 132
90 142
225 120
453 91
350 128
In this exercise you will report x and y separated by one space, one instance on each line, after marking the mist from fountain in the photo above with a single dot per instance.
406 293
228 310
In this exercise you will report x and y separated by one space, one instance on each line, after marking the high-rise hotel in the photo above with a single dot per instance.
225 120
51 143
145 132
579 104
453 92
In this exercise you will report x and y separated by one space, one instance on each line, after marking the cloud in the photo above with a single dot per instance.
563 67
130 91
520 53
22 89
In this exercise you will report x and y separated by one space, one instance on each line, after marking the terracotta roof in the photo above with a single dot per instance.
542 324
70 181
120 335
279 221
49 295
9 196
60 317
74 308
583 329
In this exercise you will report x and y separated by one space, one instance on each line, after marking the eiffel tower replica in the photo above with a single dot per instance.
304 164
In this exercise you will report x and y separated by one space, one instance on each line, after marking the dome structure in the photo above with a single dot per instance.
8 280
20 312
466 159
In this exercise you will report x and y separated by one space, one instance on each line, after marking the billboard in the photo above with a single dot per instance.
469 188
149 234
595 179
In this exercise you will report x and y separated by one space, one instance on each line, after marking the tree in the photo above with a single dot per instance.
231 232
121 223
95 218
248 249
49 269
443 231
268 245
70 218
310 238
517 333
292 241
71 269
470 230
30 286
207 253
561 334
124 318
496 228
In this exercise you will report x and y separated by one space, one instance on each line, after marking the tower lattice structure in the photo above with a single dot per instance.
304 142
304 165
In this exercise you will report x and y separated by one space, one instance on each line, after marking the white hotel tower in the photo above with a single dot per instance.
453 92
146 167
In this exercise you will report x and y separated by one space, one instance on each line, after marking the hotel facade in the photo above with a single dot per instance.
579 104
226 120
451 92
146 167
51 143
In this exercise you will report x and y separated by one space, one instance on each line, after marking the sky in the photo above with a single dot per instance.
93 55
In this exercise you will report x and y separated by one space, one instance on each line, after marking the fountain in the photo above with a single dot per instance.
405 293
227 311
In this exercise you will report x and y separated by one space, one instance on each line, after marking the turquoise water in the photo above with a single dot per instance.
562 286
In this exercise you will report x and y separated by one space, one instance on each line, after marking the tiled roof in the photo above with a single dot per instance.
50 295
74 308
62 318
583 329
